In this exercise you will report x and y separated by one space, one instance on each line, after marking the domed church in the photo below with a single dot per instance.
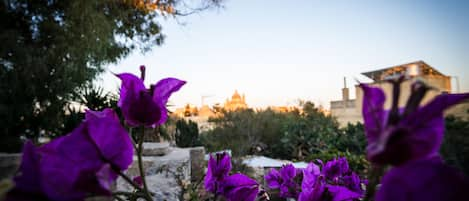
236 102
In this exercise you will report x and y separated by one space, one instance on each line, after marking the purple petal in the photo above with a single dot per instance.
110 137
131 86
27 179
310 175
353 182
165 87
426 180
341 193
136 102
218 168
239 187
335 168
418 135
373 112
161 93
138 180
106 177
72 161
313 192
273 179
426 126
288 172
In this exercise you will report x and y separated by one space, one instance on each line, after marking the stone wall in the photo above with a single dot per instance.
9 163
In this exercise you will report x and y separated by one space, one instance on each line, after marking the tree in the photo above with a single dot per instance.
52 48
455 147
187 133
308 132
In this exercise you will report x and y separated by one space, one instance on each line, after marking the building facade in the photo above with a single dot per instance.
349 110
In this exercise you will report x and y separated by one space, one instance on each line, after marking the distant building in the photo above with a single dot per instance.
204 113
236 102
349 110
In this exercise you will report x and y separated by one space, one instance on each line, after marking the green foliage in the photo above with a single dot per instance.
308 133
93 98
351 139
305 134
245 132
455 147
52 48
187 133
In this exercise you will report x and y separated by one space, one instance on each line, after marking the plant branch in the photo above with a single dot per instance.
140 165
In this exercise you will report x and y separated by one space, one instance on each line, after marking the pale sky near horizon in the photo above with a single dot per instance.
276 52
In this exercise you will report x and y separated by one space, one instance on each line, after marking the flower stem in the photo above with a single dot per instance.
140 165
374 179
128 180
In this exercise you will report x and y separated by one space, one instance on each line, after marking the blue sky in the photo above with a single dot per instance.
277 52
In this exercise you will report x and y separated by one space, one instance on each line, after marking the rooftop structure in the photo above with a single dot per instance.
349 110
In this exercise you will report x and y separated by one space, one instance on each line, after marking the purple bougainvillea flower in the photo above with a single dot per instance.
342 193
138 180
289 187
310 175
239 187
284 180
312 187
27 182
423 180
82 163
335 168
273 179
397 136
145 107
111 139
353 182
217 170
335 182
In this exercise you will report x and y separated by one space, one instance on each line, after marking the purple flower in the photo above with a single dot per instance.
82 163
397 136
423 180
218 168
335 182
27 182
138 180
145 107
342 193
335 168
273 179
239 187
312 186
353 182
285 180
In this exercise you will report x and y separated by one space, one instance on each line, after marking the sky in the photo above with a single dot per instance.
277 52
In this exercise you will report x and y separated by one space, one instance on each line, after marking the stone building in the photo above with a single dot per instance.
349 110
236 102
201 115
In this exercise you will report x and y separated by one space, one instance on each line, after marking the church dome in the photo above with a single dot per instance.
236 96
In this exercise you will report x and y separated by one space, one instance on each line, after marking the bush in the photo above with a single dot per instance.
187 133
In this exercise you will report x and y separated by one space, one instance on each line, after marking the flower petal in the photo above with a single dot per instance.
110 137
427 179
27 179
341 193
218 168
239 187
273 179
131 86
161 93
64 165
373 112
